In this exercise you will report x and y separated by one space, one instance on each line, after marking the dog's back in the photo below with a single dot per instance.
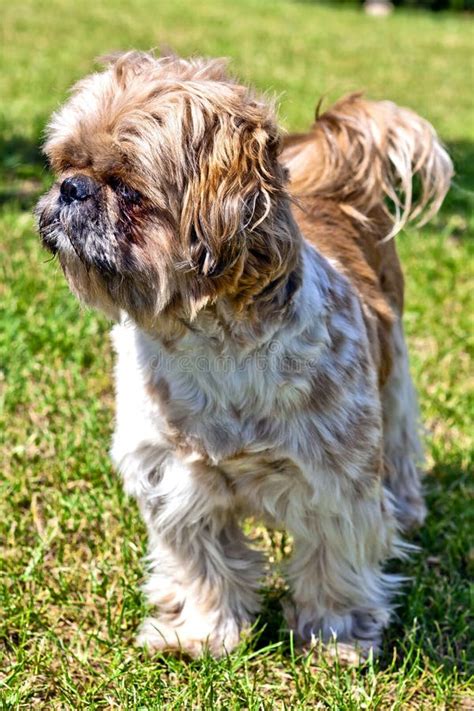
360 152
352 177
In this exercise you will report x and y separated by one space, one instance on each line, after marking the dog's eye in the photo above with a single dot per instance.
123 191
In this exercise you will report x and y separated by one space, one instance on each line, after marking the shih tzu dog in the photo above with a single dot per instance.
261 363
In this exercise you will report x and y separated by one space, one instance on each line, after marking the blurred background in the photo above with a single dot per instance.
70 542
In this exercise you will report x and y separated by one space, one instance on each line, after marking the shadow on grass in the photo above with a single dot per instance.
23 171
433 613
460 199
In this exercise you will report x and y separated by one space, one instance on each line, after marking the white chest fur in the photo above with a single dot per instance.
304 391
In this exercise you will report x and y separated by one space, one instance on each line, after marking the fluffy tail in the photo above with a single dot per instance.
371 154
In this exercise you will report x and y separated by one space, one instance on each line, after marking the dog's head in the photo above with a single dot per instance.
169 192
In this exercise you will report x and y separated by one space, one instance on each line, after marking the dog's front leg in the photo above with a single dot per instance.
339 590
203 579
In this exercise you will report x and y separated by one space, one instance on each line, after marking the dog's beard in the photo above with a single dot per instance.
96 255
81 230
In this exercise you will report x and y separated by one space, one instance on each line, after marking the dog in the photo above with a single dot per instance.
261 367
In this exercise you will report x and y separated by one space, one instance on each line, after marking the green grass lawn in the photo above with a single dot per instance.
71 543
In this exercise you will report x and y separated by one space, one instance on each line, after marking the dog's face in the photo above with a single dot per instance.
168 188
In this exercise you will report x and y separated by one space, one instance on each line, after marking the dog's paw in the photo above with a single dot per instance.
351 654
188 639
349 639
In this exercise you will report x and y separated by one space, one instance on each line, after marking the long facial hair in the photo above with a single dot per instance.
191 206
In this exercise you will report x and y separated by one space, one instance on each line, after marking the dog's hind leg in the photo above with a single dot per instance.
403 451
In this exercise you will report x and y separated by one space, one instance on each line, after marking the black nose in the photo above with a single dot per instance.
79 187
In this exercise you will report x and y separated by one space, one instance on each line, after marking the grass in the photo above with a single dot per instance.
71 543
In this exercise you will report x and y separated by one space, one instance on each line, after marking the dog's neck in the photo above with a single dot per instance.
258 320
295 302
248 303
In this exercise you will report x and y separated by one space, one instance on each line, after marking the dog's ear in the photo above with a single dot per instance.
234 183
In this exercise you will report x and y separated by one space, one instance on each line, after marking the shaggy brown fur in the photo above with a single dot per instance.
340 174
220 212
